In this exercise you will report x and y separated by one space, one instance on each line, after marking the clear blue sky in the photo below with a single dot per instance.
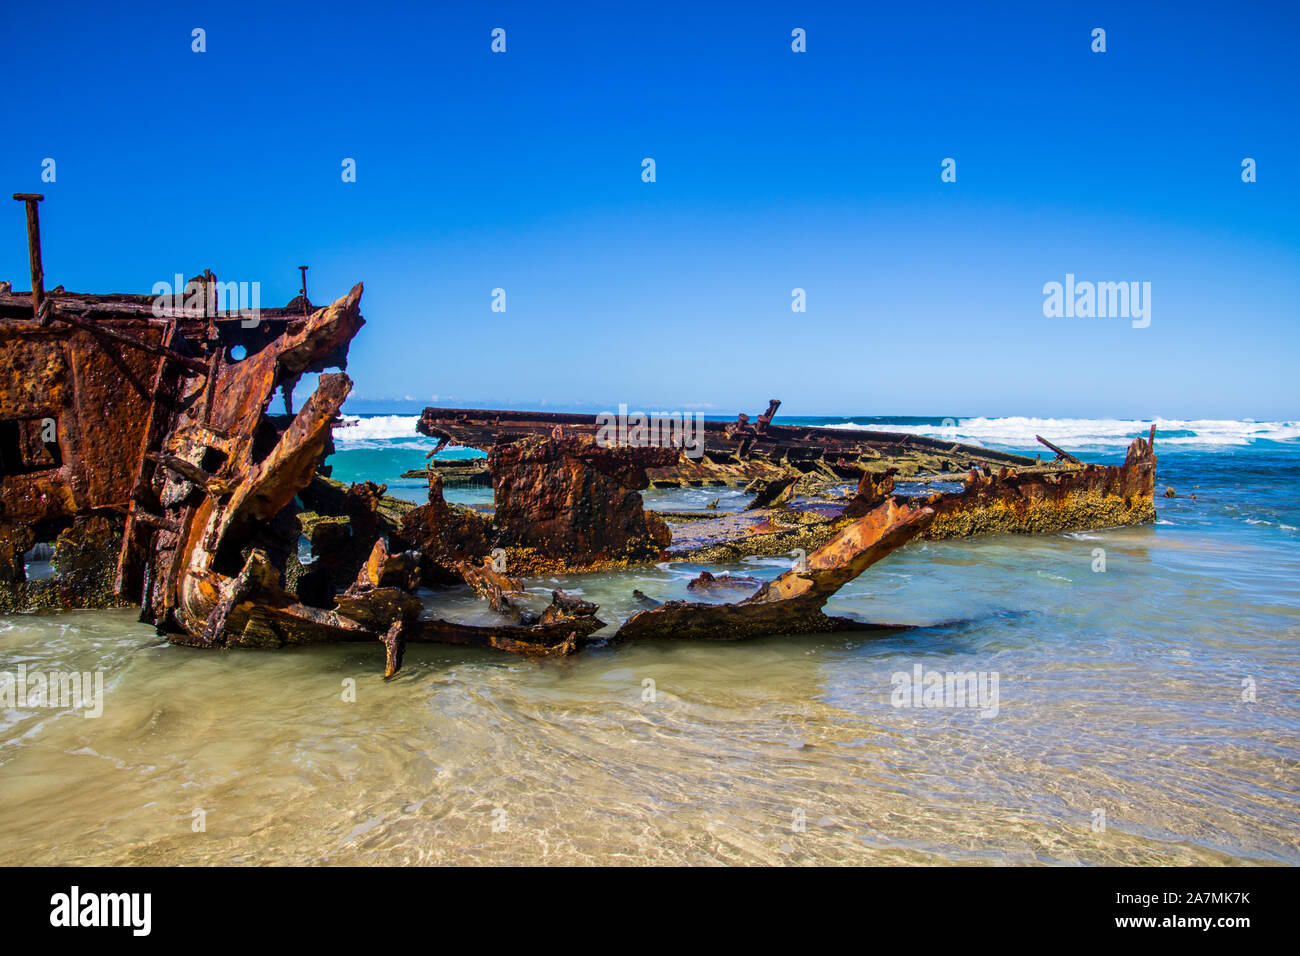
775 170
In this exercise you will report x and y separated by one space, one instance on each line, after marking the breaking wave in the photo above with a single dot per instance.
1019 432
380 431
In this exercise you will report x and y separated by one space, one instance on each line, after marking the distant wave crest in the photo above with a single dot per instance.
380 431
1019 432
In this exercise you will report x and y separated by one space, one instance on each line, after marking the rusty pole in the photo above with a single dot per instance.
34 249
303 290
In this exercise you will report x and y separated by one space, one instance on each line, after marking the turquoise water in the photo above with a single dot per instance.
1146 713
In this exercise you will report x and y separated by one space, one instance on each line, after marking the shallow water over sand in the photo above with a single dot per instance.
1119 691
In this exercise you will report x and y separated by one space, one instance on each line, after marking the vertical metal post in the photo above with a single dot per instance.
303 290
34 249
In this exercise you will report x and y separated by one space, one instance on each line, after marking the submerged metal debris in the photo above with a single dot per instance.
793 602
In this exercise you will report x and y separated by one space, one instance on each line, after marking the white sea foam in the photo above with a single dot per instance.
1019 432
379 426
382 431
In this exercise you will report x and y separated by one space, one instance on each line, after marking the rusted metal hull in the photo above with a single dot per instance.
565 502
483 428
723 442
85 388
147 446
1047 499
1076 499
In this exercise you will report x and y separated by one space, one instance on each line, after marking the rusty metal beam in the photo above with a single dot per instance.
793 602
1061 453
34 248
484 428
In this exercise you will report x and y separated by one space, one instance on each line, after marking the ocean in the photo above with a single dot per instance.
1138 702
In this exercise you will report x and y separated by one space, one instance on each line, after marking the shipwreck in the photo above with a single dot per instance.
143 451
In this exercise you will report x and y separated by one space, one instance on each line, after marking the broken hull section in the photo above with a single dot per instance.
172 487
1079 499
793 602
